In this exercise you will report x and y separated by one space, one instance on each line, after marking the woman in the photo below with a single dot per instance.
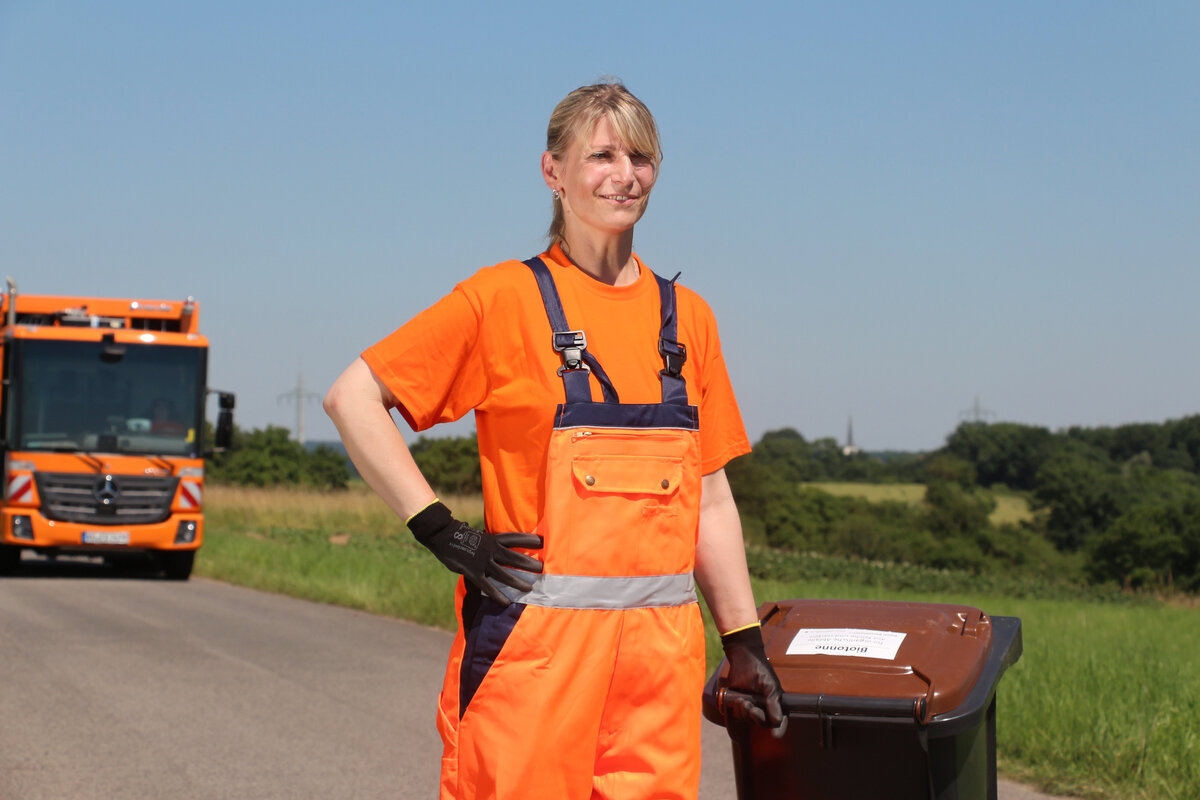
578 666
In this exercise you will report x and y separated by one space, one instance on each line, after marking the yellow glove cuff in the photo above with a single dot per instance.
419 510
743 628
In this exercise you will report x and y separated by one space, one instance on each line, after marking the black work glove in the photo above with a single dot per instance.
478 556
750 672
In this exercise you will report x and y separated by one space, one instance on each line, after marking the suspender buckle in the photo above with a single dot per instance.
571 344
674 356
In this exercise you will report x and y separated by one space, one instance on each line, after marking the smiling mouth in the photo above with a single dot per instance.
620 198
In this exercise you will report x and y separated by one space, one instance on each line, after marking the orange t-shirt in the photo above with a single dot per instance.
486 347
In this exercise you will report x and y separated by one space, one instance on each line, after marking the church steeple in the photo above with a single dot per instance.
850 447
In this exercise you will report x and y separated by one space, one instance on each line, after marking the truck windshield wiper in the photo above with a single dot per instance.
157 456
93 461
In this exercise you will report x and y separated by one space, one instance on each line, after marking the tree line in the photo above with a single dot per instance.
270 457
1119 504
1125 499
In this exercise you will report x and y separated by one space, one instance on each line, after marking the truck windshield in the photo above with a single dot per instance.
92 397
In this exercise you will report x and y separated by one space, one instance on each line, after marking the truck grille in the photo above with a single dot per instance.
105 499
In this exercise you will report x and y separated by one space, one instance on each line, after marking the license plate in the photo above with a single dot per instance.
106 537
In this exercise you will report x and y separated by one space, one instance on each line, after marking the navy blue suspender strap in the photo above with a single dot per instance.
674 354
578 363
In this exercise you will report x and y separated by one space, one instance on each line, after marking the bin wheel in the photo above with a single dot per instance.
177 565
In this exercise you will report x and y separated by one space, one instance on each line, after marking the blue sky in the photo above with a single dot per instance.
894 208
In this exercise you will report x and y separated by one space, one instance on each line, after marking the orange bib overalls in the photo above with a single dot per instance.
589 686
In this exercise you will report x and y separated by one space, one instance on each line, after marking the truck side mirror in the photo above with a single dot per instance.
224 431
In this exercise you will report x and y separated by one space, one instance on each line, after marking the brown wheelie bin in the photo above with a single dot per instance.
884 700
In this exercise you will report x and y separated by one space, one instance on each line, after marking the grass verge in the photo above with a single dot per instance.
1104 703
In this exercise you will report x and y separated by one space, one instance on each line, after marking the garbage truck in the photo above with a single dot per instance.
102 429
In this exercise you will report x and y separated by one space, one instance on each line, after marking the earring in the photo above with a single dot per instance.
554 193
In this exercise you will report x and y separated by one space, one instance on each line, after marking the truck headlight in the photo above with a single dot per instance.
186 532
22 527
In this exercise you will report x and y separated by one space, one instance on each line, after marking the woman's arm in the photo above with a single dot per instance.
721 557
359 406
723 578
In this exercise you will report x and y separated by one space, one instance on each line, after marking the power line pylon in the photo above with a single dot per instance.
977 413
299 396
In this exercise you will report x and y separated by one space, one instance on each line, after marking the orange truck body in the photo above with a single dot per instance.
102 428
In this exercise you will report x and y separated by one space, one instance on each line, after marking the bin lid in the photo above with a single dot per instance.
929 653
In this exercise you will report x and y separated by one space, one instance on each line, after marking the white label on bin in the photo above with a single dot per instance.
846 642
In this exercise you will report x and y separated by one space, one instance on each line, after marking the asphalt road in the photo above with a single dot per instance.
117 686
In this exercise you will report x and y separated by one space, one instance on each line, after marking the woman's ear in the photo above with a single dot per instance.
549 170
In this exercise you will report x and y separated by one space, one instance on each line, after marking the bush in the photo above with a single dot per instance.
1153 545
450 463
271 458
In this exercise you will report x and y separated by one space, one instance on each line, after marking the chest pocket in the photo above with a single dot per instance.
627 474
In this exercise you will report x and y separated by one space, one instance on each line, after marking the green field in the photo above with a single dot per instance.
1010 508
1104 703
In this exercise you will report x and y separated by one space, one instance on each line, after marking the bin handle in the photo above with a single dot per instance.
725 693
827 705
724 690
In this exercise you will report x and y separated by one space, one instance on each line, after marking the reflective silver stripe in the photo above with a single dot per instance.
603 592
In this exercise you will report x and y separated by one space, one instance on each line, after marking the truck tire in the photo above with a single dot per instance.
10 559
177 564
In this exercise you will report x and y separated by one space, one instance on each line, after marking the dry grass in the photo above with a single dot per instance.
911 493
1010 508
358 509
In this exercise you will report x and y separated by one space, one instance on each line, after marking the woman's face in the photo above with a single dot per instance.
604 186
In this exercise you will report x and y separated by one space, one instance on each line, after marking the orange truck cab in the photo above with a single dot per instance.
102 428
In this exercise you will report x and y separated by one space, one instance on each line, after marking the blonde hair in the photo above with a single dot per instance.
576 116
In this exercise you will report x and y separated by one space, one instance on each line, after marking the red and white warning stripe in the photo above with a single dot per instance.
20 488
189 495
